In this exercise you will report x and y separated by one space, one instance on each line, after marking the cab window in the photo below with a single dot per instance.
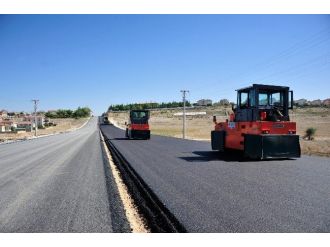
263 99
276 99
244 96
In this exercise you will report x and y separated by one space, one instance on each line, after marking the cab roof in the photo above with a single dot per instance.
265 87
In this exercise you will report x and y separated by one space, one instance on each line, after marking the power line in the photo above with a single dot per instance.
306 73
306 44
303 45
315 61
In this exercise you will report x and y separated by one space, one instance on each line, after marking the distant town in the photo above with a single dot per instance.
22 122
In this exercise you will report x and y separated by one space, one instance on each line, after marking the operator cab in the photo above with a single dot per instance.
263 103
138 126
139 116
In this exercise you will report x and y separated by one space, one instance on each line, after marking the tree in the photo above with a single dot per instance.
224 102
51 114
68 113
144 106
82 112
63 113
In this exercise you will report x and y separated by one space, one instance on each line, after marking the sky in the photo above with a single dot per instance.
67 61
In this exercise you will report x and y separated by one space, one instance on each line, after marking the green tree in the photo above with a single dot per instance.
144 106
51 114
68 113
82 112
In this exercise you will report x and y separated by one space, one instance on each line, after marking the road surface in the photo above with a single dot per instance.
211 193
58 184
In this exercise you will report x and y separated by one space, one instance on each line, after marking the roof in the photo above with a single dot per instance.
264 86
6 121
24 122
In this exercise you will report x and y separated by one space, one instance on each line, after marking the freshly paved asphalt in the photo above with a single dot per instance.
58 184
212 193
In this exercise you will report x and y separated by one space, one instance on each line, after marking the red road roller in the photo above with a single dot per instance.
138 126
260 125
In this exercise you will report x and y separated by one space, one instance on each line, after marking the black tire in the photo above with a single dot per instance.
218 139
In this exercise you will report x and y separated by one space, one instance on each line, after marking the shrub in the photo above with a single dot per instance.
310 133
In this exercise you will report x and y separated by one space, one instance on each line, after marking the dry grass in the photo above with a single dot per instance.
62 126
163 122
318 118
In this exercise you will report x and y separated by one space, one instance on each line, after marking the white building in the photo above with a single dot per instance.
301 102
40 120
2 128
7 125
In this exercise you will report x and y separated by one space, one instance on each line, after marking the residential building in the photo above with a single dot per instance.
326 102
3 114
204 102
2 128
40 120
7 125
317 102
24 125
10 123
301 102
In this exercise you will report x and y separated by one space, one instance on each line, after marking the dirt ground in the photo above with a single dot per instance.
163 122
318 118
63 124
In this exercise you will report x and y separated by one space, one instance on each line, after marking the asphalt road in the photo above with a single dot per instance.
212 193
59 184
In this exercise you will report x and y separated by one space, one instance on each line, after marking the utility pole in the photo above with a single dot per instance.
184 113
35 101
